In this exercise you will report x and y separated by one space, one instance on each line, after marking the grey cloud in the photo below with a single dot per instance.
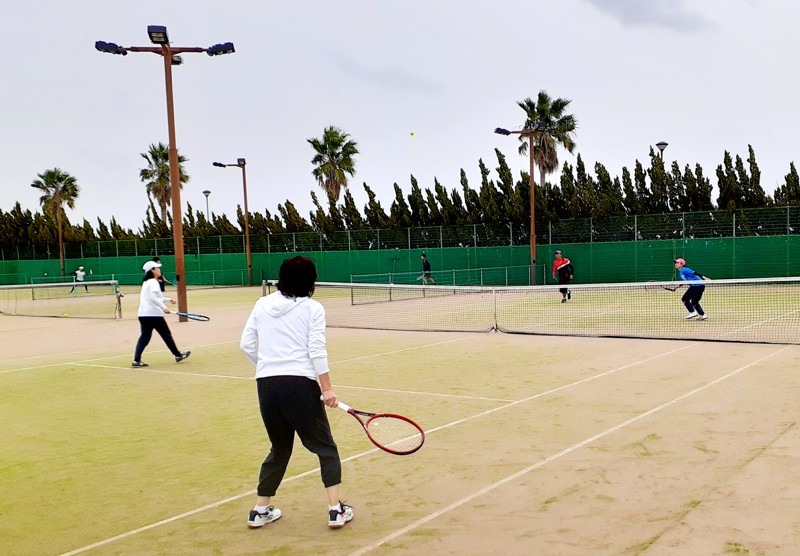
671 14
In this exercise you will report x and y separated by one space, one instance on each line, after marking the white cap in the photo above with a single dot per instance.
80 268
150 265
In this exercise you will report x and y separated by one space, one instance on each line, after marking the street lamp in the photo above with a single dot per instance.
170 54
241 163
208 214
529 133
661 146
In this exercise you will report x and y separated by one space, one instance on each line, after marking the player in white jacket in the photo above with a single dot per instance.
284 339
152 308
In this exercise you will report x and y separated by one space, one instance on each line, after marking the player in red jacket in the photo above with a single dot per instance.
564 272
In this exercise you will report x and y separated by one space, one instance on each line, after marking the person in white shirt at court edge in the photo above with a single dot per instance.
152 308
284 339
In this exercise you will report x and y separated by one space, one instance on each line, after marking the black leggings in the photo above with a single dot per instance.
691 299
159 324
292 404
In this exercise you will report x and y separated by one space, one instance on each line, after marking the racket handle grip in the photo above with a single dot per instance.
341 405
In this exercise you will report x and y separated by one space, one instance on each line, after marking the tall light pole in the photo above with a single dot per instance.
661 146
158 36
241 163
529 133
208 214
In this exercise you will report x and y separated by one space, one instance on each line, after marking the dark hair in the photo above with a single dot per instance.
147 275
156 259
297 276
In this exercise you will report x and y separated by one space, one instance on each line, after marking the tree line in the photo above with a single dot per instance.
648 187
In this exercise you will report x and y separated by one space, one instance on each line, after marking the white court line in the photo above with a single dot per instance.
223 343
251 379
545 461
351 458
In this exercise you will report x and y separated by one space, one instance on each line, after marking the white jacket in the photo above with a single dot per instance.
152 302
286 336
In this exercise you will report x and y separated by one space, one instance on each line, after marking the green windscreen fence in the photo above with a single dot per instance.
594 262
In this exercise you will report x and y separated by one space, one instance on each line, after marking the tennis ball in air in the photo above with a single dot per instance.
412 133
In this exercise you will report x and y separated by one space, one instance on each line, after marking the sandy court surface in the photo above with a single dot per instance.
536 445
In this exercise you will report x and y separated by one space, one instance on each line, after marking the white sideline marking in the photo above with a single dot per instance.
251 379
356 456
545 461
80 361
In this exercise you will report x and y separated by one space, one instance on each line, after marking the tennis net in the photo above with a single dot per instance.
762 310
94 299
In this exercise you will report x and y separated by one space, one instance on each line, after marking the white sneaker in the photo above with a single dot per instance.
691 315
259 519
703 317
337 518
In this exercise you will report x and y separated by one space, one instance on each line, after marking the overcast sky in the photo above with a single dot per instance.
703 75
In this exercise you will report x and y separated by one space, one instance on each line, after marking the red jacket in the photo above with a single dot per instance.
558 264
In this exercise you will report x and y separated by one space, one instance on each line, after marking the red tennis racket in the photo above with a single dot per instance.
391 433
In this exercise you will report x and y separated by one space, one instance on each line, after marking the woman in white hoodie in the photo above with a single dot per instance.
284 339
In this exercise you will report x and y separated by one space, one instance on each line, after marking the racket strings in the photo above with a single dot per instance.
395 433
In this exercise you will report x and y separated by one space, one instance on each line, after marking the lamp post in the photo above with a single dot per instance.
208 214
661 146
241 163
170 54
529 133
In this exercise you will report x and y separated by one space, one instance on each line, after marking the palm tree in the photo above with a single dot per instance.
556 128
57 188
333 160
156 175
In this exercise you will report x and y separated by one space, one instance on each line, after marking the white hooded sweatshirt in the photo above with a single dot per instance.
286 336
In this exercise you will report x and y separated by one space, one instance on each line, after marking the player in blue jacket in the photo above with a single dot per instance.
691 299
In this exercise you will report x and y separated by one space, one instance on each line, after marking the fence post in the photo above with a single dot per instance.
197 240
379 239
549 233
408 230
269 249
441 239
475 235
294 242
349 248
591 230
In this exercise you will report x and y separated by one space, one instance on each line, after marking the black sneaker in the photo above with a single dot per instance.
259 519
182 356
564 300
337 518
139 364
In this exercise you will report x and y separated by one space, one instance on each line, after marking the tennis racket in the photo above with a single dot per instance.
391 433
420 277
194 316
654 286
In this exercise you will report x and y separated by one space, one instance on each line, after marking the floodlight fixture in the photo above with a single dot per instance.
501 131
219 164
241 162
220 49
158 34
110 48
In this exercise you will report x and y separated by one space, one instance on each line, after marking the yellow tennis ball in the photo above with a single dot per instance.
66 314
412 133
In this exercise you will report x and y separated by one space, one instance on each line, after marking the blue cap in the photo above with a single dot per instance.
558 252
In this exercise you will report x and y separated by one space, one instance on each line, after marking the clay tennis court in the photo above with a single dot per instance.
535 444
